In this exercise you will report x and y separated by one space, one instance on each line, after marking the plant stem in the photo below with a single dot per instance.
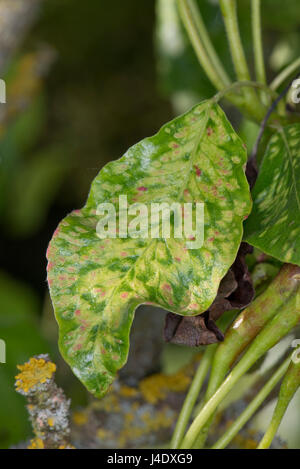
252 407
241 84
228 8
260 71
275 329
189 23
284 74
203 34
246 327
192 396
251 321
257 42
288 388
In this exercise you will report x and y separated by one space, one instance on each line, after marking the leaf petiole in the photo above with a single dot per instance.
252 407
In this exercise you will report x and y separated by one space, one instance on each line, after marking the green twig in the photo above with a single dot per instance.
203 34
284 74
252 407
257 42
228 8
275 329
192 396
288 388
260 71
186 15
242 84
246 327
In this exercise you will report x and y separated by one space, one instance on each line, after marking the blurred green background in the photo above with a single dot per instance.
88 80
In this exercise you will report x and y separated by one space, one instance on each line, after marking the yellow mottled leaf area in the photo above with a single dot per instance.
34 372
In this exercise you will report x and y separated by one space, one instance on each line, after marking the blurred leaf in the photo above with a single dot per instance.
29 125
33 189
280 17
20 331
274 223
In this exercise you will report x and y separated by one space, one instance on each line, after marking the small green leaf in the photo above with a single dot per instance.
96 284
274 224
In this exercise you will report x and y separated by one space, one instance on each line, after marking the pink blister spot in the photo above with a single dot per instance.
177 259
77 312
124 295
142 189
78 347
193 306
197 170
210 240
167 287
99 290
48 252
124 254
56 232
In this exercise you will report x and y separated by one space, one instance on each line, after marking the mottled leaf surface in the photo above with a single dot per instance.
235 291
274 224
96 284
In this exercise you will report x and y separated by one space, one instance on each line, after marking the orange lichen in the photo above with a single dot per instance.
102 434
245 442
127 391
36 443
80 418
34 372
156 387
50 421
157 421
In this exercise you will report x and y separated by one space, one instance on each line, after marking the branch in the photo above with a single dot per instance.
47 405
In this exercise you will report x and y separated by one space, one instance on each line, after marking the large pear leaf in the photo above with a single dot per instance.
274 224
96 284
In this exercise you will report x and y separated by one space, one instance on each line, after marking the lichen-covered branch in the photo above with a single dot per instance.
47 405
134 417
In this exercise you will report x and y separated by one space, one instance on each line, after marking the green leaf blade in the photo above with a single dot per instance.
96 284
274 224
